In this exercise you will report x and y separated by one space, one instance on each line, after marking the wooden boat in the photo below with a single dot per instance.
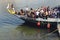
49 22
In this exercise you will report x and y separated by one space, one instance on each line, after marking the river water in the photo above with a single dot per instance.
10 25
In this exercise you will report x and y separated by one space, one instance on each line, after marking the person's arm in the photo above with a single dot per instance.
8 6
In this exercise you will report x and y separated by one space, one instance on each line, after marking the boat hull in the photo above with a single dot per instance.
43 24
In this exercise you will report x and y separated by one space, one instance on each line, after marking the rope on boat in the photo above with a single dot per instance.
48 34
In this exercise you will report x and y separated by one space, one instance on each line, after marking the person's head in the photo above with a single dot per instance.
31 8
21 10
48 7
11 5
38 8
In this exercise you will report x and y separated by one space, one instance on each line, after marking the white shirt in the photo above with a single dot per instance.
42 11
37 13
27 9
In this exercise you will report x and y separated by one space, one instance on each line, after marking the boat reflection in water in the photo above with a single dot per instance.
31 33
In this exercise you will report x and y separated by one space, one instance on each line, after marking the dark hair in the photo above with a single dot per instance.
12 5
31 8
22 10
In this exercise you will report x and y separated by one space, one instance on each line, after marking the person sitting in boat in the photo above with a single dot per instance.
18 13
48 8
11 8
51 13
27 9
28 14
21 12
37 14
58 13
41 13
55 13
45 14
31 13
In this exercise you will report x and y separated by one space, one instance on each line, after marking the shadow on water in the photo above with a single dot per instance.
31 33
26 29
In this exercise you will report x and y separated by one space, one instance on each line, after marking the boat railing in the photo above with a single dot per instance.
40 19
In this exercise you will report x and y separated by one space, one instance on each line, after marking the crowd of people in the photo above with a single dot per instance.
42 12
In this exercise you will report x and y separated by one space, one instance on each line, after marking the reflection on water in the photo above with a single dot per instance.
26 30
29 33
23 32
